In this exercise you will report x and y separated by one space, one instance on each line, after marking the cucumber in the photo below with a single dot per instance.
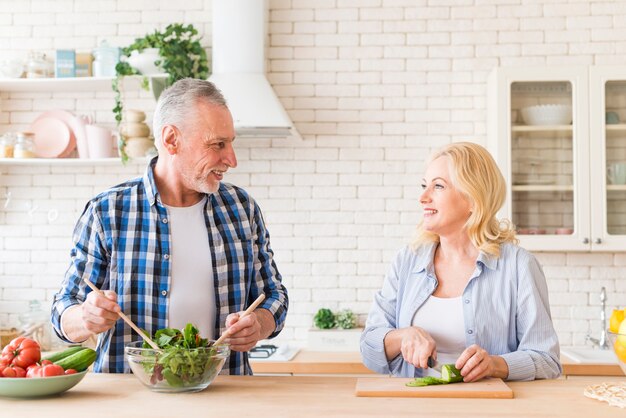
426 381
451 374
78 361
54 357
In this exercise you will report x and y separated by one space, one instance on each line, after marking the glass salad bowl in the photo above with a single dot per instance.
618 343
176 369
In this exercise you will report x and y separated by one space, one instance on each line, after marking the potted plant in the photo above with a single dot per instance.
334 331
180 55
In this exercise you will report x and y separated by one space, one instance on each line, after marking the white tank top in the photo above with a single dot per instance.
192 293
442 318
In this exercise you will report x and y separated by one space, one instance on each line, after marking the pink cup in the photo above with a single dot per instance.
101 142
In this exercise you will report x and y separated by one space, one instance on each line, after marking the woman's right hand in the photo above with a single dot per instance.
99 313
415 345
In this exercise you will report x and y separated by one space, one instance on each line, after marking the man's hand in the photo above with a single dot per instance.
246 332
476 363
95 315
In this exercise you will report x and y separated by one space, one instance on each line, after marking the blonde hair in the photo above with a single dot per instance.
476 175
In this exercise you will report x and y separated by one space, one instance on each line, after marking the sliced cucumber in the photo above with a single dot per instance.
451 374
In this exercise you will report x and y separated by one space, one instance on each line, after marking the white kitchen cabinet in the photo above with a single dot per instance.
558 194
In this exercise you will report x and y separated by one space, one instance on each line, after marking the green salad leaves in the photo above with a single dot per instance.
186 360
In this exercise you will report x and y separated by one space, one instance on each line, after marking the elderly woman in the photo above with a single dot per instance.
463 292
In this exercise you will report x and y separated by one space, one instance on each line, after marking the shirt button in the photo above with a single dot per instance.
166 256
164 292
466 301
469 331
164 220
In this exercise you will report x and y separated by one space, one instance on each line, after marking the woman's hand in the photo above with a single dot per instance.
416 346
476 363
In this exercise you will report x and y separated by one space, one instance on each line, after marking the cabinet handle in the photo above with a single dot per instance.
585 240
598 241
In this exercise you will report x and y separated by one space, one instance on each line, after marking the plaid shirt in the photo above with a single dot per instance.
122 243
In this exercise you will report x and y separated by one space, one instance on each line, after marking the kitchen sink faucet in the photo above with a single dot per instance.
601 342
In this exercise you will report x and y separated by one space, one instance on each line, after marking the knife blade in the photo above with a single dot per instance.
434 364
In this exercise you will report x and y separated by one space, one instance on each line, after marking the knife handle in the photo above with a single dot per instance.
431 362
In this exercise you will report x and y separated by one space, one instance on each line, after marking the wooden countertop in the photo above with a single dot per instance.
109 395
317 362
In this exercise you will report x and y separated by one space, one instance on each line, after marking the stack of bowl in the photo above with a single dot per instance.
136 134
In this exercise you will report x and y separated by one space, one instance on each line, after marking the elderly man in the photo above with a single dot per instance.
176 245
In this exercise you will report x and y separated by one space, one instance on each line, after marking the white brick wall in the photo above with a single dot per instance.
372 85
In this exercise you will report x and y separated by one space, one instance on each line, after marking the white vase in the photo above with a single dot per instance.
144 61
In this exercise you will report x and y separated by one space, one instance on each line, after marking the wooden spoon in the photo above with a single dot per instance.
126 319
245 313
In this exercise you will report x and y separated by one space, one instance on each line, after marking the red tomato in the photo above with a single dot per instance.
45 362
51 370
21 352
3 366
70 371
46 370
14 371
34 370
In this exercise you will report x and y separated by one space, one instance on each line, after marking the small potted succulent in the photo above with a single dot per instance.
334 331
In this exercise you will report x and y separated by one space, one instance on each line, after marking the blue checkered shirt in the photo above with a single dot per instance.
122 243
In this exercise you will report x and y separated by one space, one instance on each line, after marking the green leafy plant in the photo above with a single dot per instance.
345 319
186 358
324 319
181 56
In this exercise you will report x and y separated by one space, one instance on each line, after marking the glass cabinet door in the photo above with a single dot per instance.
541 146
542 155
608 157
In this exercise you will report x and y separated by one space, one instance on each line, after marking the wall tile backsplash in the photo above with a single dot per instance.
372 87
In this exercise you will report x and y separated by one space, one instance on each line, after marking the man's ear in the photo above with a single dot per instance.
169 138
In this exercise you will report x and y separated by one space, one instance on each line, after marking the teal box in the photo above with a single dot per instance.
65 63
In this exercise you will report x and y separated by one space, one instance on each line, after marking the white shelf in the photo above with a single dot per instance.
70 161
67 84
541 128
616 127
542 188
617 187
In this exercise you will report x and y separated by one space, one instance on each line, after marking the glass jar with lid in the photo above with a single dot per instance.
24 145
106 58
37 66
7 143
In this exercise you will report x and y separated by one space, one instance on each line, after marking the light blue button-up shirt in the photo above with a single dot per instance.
505 311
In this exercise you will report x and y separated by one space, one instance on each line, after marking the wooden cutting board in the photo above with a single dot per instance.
395 387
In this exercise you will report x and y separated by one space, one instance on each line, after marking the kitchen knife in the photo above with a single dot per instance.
434 364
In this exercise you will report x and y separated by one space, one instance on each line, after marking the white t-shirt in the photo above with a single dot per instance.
192 292
442 318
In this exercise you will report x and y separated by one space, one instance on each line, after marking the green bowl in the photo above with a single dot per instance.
34 387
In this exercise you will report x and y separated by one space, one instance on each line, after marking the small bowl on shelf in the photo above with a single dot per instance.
547 114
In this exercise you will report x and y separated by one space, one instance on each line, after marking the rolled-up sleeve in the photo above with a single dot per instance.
88 261
267 277
537 355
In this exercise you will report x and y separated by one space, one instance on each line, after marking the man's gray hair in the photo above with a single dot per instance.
178 100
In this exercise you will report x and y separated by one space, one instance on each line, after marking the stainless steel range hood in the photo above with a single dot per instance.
238 69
